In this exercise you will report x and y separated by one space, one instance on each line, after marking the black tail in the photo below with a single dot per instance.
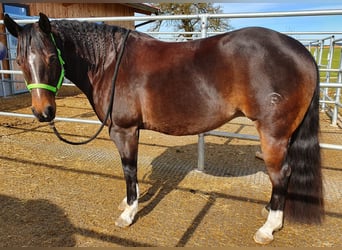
304 201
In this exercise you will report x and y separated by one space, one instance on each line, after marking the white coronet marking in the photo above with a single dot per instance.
127 216
129 211
273 223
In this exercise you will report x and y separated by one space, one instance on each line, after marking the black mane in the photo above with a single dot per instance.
91 41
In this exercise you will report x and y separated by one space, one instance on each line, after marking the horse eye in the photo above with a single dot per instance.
53 59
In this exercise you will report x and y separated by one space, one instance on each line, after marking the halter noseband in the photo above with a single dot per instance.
53 89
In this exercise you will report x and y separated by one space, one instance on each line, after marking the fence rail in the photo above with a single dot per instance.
201 16
326 85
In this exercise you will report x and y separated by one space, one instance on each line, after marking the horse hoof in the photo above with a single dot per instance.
262 238
120 222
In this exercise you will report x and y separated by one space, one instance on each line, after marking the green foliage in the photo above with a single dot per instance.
191 25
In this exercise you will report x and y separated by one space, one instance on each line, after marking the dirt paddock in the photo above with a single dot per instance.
54 194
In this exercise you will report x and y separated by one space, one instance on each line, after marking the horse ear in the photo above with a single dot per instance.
44 23
12 26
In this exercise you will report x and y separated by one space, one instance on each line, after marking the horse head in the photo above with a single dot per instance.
41 64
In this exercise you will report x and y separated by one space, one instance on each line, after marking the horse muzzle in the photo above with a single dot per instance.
46 115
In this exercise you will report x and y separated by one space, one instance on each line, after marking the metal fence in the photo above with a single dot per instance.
328 51
330 86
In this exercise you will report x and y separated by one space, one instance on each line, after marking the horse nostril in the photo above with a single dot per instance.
46 116
49 113
34 112
37 114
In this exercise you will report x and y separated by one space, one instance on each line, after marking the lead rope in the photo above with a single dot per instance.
111 103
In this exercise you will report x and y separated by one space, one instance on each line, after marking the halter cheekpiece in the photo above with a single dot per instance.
53 89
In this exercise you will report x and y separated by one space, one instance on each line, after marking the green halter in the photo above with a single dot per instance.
53 89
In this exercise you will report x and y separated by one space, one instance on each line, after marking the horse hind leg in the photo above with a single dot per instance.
274 152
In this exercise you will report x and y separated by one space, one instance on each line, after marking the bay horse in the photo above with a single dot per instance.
185 89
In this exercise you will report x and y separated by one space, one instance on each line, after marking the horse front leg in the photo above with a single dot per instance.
127 141
274 152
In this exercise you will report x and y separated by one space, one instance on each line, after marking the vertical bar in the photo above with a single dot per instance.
337 96
201 142
325 90
2 81
328 66
335 110
201 153
321 46
204 25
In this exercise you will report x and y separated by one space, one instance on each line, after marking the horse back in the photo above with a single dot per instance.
192 87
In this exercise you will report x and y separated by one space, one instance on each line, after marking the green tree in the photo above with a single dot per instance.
191 25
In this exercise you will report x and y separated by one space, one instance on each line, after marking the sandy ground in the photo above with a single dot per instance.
53 194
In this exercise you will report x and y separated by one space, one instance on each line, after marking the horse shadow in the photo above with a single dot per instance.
173 165
33 223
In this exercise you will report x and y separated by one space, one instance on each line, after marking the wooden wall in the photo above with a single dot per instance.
60 10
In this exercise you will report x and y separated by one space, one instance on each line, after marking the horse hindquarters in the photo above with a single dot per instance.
294 167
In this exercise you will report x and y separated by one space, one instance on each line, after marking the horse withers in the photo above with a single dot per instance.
185 89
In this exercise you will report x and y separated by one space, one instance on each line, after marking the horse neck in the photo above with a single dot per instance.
88 50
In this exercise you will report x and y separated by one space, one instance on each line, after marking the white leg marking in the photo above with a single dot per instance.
273 223
129 211
127 216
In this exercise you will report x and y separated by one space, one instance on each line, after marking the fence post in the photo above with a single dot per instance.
201 142
338 95
204 25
